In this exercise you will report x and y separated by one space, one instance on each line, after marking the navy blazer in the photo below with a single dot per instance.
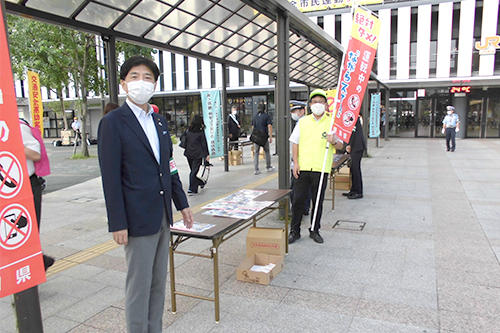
137 189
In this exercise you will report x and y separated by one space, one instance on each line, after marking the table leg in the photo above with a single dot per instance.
172 274
333 191
215 256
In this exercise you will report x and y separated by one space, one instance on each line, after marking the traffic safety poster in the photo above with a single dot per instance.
21 262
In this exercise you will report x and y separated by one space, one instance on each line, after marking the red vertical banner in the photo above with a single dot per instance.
358 62
21 262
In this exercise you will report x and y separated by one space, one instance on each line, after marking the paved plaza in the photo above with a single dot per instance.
427 259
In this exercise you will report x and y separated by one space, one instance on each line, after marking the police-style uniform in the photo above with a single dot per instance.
450 122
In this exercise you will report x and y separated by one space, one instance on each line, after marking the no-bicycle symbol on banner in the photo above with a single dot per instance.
11 175
15 226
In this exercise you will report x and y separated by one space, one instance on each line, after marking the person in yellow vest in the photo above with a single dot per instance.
309 139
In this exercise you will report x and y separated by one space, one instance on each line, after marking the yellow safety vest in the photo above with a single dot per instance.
312 144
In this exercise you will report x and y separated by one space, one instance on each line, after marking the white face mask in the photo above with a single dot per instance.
140 91
318 109
449 112
295 116
235 112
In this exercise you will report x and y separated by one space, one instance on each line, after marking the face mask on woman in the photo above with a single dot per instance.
295 116
140 91
318 109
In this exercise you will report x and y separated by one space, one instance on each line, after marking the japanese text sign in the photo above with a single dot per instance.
212 118
358 62
35 101
21 263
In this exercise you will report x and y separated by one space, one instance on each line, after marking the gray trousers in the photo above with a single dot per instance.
256 150
147 262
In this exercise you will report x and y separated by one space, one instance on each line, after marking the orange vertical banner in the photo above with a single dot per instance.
21 262
35 100
356 71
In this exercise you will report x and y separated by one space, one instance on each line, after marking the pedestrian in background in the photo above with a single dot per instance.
297 111
110 107
140 181
451 125
233 126
263 122
356 148
196 152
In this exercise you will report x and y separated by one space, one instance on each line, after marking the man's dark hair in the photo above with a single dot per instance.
261 108
137 61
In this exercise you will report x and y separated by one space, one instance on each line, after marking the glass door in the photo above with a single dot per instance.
474 118
493 118
424 118
439 113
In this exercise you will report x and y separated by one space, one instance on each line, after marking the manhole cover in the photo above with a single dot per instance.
82 200
349 225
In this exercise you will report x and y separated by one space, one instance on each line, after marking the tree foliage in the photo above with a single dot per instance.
62 56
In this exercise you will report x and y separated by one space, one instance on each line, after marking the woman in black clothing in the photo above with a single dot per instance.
196 151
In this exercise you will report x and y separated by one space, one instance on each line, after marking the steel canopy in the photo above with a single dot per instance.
238 33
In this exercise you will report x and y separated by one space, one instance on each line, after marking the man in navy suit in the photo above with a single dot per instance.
140 181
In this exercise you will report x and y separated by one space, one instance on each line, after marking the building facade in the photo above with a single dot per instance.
431 53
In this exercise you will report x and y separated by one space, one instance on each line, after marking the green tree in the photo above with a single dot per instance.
62 56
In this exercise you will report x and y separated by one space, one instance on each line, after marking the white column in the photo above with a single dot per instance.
445 25
329 25
466 37
193 73
234 77
206 79
346 28
489 29
179 72
218 75
403 52
384 45
167 71
423 41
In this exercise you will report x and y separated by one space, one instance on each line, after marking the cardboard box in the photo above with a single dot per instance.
266 240
343 179
243 272
235 157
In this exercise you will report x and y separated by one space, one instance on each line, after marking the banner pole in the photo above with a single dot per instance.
332 120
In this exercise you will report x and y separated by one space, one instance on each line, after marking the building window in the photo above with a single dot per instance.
338 28
394 42
434 35
186 72
198 64
241 74
321 22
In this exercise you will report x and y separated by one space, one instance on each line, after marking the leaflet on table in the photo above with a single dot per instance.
243 195
197 226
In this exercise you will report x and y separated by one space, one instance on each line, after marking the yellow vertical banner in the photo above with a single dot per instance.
35 100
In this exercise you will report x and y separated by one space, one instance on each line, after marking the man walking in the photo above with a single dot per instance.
233 126
140 181
264 123
451 125
309 140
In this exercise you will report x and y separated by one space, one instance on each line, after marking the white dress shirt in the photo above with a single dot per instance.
148 125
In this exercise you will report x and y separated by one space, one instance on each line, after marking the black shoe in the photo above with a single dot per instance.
316 236
48 261
346 194
293 237
306 212
448 149
355 196
452 150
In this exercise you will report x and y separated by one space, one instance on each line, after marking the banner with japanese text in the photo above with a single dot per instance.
212 116
35 101
21 263
356 71
375 116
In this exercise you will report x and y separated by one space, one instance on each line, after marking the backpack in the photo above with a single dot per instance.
42 167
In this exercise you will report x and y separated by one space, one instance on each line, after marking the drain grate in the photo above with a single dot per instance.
349 225
82 200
